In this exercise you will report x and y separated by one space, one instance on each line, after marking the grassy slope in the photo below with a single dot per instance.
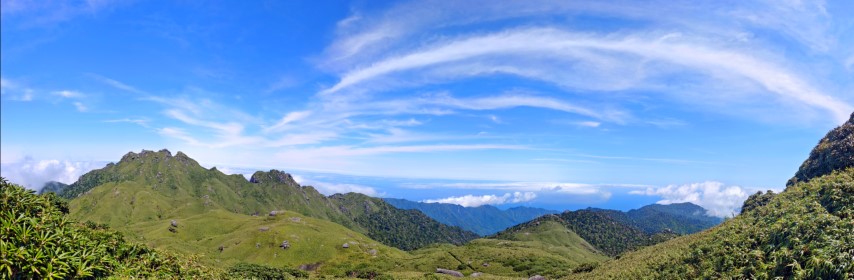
183 188
806 232
547 249
132 207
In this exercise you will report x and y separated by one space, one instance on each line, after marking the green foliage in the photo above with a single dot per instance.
756 200
38 241
681 218
404 229
597 227
255 271
805 232
547 249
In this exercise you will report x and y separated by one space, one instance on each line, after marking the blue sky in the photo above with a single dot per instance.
558 104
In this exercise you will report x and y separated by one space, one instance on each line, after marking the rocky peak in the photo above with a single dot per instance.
130 156
273 176
834 152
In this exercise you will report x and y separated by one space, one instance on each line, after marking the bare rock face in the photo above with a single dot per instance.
449 272
834 152
273 176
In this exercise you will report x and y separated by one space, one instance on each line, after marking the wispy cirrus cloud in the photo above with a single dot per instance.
605 54
15 90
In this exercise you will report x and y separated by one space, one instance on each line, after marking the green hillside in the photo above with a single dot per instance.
805 232
405 229
547 249
38 241
606 234
156 186
680 218
146 216
53 186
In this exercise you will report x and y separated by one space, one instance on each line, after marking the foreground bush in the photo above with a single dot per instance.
38 241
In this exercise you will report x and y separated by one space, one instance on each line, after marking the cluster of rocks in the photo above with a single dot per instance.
449 272
455 273
173 226
285 244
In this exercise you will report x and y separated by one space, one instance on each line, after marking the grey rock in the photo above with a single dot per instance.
449 272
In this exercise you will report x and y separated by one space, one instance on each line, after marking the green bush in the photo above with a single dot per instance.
261 272
37 241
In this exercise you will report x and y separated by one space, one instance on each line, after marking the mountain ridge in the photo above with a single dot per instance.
186 188
803 232
483 220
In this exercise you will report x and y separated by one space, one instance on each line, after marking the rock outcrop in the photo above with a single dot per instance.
449 272
834 152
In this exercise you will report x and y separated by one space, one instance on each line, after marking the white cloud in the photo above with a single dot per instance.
80 107
33 174
282 83
327 188
589 124
849 63
15 91
719 200
475 201
139 121
116 84
68 94
287 119
603 57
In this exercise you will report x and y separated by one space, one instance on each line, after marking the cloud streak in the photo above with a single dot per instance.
475 201
605 53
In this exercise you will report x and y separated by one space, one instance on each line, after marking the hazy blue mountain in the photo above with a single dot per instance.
483 220
53 186
681 218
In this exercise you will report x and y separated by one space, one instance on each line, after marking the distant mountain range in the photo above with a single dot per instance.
53 186
483 220
804 232
151 186
270 226
681 218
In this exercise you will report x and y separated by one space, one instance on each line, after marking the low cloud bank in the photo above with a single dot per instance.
33 174
475 201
